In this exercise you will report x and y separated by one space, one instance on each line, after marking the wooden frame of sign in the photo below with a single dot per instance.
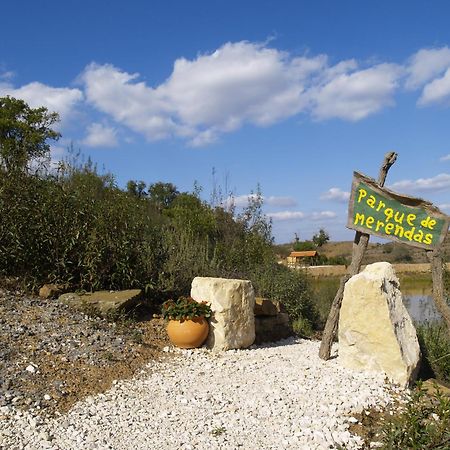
379 211
382 212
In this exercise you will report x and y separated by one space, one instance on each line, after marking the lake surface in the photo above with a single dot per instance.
418 299
416 290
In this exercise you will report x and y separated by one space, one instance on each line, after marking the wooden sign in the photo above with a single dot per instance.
384 213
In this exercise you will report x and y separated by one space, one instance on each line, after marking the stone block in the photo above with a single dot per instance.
375 329
265 307
104 303
272 328
232 324
50 291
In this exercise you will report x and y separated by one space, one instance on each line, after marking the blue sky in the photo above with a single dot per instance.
290 95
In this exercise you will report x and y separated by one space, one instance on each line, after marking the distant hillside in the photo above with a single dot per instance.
391 252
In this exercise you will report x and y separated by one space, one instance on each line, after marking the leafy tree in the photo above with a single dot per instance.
188 212
162 194
24 133
321 238
254 219
136 188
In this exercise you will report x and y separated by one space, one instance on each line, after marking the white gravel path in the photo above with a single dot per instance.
274 397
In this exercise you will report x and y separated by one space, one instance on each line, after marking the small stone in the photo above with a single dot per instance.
49 291
31 368
47 397
44 436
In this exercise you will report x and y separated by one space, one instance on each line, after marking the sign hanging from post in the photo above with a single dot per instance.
384 213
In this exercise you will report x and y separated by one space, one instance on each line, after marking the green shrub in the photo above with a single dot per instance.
78 229
435 343
301 246
303 327
425 424
339 260
75 226
323 293
289 287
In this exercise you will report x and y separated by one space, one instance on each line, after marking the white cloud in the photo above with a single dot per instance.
57 152
239 83
356 95
445 206
60 100
242 201
445 158
322 215
440 182
100 135
203 138
280 201
295 215
286 215
336 194
425 65
242 83
7 75
129 102
215 93
437 91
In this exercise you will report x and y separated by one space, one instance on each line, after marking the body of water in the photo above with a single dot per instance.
418 299
416 290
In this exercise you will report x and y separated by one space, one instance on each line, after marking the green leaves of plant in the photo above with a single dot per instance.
185 308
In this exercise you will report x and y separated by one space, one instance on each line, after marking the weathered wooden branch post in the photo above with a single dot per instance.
413 221
437 274
359 248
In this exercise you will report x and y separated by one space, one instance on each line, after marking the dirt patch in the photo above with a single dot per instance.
52 356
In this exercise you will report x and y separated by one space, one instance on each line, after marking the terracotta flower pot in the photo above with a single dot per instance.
188 333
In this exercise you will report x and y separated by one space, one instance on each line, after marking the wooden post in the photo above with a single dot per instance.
359 247
437 274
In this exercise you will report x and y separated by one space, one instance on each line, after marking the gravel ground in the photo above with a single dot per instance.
268 397
52 356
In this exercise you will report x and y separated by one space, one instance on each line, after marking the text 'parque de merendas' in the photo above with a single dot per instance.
383 213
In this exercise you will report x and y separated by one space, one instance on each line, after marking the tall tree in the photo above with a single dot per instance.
162 194
320 238
136 188
24 133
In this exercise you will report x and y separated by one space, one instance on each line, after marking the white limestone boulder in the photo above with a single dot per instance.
375 330
232 323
